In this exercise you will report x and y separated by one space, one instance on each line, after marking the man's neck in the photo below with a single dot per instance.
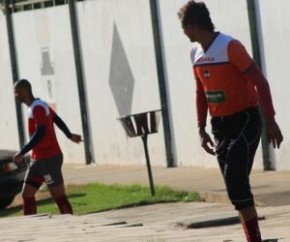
206 39
29 101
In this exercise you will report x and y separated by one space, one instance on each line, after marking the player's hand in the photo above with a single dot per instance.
17 157
206 142
273 133
76 138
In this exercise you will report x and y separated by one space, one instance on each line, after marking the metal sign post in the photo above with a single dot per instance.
143 124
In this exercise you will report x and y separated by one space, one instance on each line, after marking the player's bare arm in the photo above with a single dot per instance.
206 141
273 131
17 157
76 138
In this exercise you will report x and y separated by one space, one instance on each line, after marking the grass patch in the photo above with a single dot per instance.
98 197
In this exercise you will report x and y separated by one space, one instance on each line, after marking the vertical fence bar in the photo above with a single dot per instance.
162 85
80 81
257 56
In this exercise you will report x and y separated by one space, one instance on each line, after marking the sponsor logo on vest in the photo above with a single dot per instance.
205 59
215 96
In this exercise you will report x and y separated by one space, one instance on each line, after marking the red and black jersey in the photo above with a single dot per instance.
40 114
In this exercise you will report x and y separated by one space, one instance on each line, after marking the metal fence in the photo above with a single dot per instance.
27 5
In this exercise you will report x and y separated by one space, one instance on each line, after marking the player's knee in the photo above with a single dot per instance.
27 193
240 196
242 204
32 185
27 196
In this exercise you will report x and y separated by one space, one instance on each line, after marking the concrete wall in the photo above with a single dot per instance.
275 39
8 124
119 70
121 77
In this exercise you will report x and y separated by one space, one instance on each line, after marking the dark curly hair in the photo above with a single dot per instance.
196 13
23 83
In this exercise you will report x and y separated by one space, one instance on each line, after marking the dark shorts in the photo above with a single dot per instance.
46 170
236 139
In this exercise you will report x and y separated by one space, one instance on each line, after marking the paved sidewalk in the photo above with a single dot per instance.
154 223
271 188
174 222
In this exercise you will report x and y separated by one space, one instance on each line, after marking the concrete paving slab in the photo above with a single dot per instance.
159 223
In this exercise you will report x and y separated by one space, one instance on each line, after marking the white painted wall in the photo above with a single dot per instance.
8 124
118 52
275 32
119 30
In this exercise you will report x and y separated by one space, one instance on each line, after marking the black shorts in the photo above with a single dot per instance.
45 170
236 139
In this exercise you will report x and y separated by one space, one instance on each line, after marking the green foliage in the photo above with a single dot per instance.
97 197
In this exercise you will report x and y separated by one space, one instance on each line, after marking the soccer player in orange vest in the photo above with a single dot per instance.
231 87
46 154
